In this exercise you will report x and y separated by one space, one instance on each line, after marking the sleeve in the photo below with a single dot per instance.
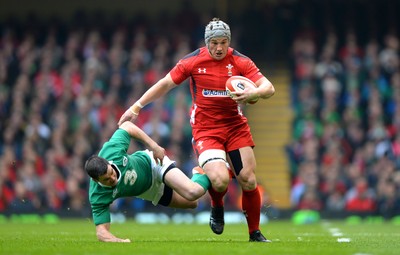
117 145
101 214
179 73
249 69
100 203
253 72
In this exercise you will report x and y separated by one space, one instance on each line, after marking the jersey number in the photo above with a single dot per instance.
130 177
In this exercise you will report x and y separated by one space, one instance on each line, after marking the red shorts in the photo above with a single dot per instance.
227 138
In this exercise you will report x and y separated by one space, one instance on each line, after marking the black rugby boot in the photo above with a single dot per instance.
217 220
256 236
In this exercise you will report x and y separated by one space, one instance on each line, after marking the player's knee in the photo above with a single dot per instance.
220 184
219 177
247 180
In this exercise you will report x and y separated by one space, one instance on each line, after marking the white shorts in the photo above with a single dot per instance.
211 155
156 191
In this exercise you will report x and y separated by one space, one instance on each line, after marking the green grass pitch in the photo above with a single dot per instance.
78 237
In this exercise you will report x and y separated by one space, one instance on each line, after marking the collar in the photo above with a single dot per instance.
115 167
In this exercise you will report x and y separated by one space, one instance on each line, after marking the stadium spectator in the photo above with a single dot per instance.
306 179
357 113
310 201
360 198
388 200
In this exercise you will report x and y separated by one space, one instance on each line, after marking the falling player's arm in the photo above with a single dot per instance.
103 234
138 134
101 217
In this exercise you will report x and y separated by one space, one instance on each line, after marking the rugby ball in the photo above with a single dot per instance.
238 84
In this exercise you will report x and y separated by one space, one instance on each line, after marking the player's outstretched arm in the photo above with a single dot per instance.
104 235
156 91
138 134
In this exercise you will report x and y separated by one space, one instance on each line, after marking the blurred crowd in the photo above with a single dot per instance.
64 85
62 91
346 132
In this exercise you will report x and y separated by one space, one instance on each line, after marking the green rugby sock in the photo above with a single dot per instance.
203 180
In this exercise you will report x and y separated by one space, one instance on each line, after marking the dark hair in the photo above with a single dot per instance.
96 166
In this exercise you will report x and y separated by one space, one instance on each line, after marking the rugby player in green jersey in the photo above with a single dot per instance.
147 174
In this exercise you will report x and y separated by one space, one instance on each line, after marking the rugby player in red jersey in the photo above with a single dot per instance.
221 133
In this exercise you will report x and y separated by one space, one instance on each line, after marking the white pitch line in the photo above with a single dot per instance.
335 232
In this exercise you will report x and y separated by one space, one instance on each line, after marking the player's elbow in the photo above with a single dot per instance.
270 92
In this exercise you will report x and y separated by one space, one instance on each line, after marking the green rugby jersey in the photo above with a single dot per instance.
135 176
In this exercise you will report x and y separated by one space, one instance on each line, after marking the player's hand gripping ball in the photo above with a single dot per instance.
238 84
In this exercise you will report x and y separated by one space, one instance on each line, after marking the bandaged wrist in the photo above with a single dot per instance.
136 107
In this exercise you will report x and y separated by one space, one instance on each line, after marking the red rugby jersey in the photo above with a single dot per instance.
211 105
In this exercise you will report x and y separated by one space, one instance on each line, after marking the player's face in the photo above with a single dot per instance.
218 47
109 178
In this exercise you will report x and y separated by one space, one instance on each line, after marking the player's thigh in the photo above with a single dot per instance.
180 183
211 155
179 201
248 159
246 175
242 160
